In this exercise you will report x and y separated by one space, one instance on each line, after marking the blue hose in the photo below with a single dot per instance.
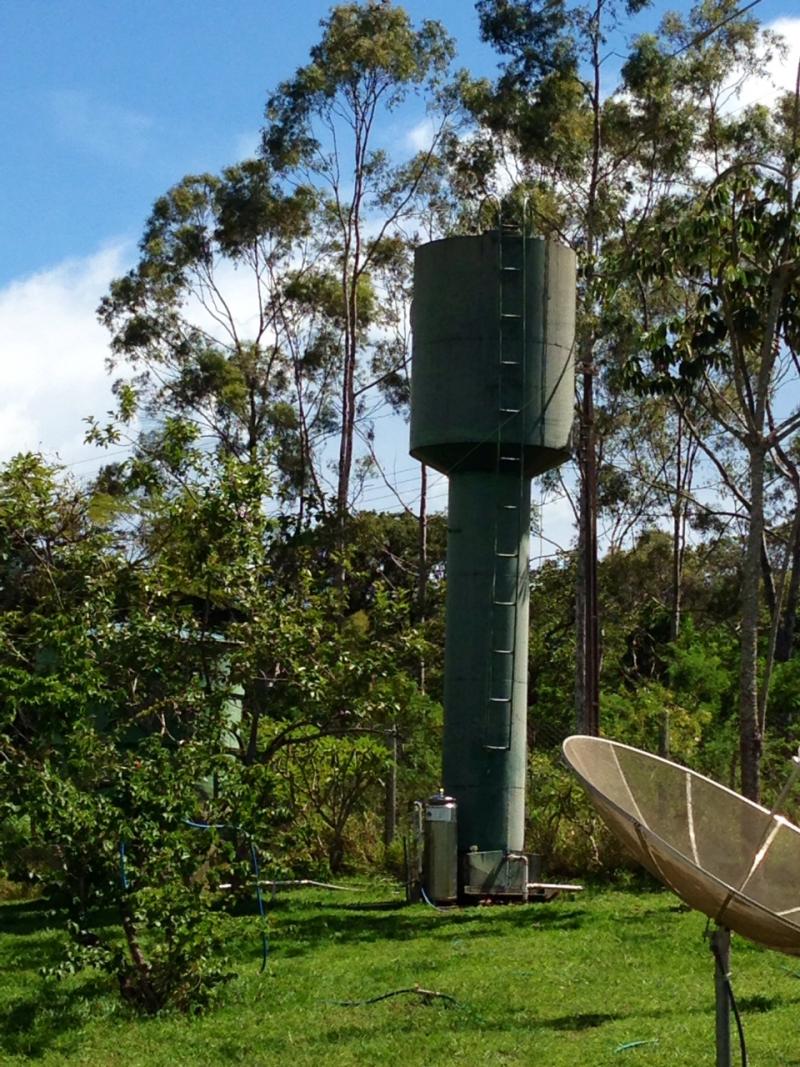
256 874
428 900
123 876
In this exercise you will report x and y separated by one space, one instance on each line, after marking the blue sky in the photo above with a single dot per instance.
105 105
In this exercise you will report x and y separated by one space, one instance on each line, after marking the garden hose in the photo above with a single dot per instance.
256 876
123 877
428 900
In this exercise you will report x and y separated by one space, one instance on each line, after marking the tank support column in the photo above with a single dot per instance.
486 657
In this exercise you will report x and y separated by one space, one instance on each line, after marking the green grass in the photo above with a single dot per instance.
565 983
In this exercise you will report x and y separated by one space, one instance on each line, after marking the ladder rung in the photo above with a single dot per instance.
499 700
510 411
496 748
504 603
510 363
509 507
510 315
503 651
507 555
514 270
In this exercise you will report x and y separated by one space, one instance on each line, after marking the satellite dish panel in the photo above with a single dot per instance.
722 854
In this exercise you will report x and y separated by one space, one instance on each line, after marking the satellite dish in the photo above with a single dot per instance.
724 855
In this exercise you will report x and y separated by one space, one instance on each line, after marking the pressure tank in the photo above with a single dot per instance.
492 397
440 849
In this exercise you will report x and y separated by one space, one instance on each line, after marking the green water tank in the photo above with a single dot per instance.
492 398
494 327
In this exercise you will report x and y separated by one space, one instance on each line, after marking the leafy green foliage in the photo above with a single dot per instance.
176 677
170 653
113 714
256 381
368 52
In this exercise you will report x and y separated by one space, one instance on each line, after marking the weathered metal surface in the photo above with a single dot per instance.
496 874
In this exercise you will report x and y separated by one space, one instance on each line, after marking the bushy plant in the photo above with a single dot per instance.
563 827
114 714
649 716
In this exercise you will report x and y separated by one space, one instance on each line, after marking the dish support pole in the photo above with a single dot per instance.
721 948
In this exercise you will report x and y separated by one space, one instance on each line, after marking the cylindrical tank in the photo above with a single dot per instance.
492 399
440 849
494 328
232 718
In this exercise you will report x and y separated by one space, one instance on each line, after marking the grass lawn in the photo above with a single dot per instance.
566 983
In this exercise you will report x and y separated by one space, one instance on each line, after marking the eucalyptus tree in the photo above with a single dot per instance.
595 167
225 325
323 129
735 346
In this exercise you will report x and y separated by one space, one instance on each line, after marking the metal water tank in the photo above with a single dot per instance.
492 398
494 331
440 849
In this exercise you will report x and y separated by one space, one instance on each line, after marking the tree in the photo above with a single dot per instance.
248 367
113 713
322 129
597 169
736 348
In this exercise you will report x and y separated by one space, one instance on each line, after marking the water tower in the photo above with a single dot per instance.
491 406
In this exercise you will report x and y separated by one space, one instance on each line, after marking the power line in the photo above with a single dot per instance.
700 37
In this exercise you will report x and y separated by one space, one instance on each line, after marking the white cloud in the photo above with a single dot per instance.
781 72
113 133
420 136
52 355
53 350
237 305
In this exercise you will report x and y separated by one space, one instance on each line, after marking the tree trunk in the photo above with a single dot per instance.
580 629
588 632
749 726
767 578
136 984
588 657
784 645
678 532
422 563
677 570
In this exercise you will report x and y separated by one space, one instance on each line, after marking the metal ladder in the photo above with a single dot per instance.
509 459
